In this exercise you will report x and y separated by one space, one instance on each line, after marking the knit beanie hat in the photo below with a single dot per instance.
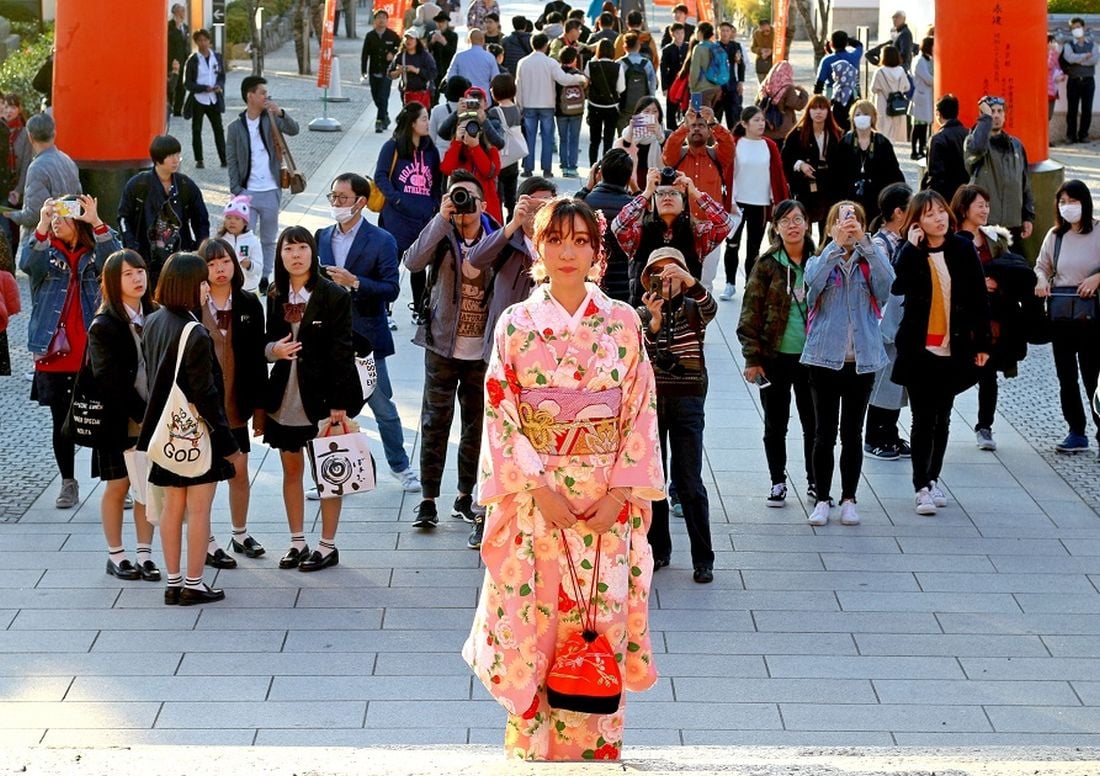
239 206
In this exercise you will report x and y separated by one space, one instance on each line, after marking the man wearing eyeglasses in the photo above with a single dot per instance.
363 259
998 161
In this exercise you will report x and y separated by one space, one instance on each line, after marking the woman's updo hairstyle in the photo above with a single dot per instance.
556 218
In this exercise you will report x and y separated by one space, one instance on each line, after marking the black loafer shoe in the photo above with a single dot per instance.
703 574
149 571
660 563
190 596
220 560
124 570
172 596
316 562
293 557
249 547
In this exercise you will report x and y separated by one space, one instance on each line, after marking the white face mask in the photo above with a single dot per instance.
342 214
1071 212
862 122
1078 32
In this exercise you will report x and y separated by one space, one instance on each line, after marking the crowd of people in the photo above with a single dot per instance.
569 327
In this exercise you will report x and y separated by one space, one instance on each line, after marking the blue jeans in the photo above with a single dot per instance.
389 422
680 421
569 131
536 120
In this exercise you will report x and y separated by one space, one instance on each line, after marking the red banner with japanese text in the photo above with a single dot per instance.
781 16
705 11
395 9
324 67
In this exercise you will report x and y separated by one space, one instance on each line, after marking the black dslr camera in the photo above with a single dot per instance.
668 176
468 116
463 200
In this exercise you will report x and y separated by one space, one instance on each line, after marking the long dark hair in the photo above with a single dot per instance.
215 248
781 211
403 129
805 125
1074 189
747 115
645 102
294 235
890 199
110 284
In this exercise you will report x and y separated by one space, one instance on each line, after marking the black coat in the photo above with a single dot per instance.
141 202
817 202
191 82
200 377
611 199
946 161
373 60
179 43
249 341
327 377
113 357
970 331
881 170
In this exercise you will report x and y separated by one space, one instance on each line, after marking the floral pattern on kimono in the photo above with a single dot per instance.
546 367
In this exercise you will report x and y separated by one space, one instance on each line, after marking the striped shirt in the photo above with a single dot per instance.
676 350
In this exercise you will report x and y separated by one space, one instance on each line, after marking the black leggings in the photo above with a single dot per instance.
786 376
920 139
64 451
753 216
601 126
930 406
840 401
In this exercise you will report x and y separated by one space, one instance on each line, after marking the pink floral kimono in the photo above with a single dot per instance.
570 404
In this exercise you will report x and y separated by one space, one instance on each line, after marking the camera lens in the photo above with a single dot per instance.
473 128
668 176
463 200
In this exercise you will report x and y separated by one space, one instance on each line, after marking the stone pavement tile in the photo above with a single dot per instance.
442 558
702 598
813 716
848 541
43 641
678 575
1069 624
190 641
1052 603
237 619
1088 692
949 645
1015 740
713 690
722 665
267 664
790 561
21 579
67 598
846 622
981 546
105 619
829 580
95 577
421 663
824 644
412 736
410 714
957 582
165 688
1082 546
1068 514
7 617
427 618
864 667
1072 646
34 688
218 715
35 714
148 596
1004 526
989 474
672 620
970 692
270 577
125 738
1044 719
1024 668
1024 564
370 688
39 561
867 601
845 561
437 578
27 543
784 738
992 497
733 716
375 641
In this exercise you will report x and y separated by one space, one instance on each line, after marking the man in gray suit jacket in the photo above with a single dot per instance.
51 174
254 162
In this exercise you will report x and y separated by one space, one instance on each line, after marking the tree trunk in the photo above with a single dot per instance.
819 32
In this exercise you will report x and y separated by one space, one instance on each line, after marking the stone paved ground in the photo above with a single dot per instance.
976 627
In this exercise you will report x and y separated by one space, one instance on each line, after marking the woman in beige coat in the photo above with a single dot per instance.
891 77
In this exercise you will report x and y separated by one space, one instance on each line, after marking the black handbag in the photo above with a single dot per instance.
1065 305
87 423
897 104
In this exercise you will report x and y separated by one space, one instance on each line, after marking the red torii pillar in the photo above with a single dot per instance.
109 96
999 48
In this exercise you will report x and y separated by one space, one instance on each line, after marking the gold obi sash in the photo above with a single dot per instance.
567 422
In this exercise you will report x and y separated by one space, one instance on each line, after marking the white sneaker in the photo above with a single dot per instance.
925 505
848 513
778 496
728 292
820 515
939 498
984 438
410 481
313 495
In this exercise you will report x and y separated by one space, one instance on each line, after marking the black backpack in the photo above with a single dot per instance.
637 85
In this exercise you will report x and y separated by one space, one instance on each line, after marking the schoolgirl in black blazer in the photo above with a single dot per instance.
235 320
118 368
314 378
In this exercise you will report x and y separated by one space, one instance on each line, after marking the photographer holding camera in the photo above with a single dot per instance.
452 332
660 217
472 151
677 309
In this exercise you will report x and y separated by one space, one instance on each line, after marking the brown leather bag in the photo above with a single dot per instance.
290 177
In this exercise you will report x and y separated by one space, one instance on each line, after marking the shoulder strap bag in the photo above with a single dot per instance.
181 440
290 177
86 423
1065 305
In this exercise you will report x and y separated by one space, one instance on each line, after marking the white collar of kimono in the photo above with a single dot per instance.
549 314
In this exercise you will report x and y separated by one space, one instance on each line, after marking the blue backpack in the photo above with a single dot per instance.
718 69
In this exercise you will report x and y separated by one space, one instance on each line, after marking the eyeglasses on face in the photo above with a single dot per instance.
340 199
667 193
792 221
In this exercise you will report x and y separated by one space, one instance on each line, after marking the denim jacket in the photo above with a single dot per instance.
838 300
48 268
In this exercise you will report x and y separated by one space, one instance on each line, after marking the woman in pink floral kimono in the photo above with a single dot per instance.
569 454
